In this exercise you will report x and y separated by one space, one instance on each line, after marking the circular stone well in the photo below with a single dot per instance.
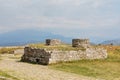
53 42
84 43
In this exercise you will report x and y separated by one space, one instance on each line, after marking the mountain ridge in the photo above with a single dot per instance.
113 42
23 37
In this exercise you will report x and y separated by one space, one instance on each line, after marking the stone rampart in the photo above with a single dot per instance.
42 56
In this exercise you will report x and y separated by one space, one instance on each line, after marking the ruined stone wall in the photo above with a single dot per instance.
58 56
35 55
42 56
84 43
52 42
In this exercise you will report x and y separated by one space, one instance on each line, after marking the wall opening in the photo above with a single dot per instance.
37 60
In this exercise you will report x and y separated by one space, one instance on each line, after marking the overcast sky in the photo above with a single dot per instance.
73 18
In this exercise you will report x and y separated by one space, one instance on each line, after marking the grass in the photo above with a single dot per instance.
8 50
63 47
108 69
6 75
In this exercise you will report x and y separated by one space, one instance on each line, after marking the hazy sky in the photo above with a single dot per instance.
74 18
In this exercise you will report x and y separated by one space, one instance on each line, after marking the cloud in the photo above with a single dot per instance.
4 29
65 17
60 23
43 21
79 3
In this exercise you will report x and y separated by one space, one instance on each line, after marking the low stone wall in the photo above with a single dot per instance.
42 56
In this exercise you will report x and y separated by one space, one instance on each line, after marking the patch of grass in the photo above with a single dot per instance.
6 75
107 69
8 50
63 47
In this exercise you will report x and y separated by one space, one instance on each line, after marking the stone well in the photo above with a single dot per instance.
84 43
53 42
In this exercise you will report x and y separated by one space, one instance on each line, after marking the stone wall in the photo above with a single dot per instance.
52 42
42 56
84 43
35 55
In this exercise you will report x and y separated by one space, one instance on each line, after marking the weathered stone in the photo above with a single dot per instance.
53 42
39 56
42 56
83 43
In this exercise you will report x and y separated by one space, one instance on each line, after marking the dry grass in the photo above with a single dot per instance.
9 50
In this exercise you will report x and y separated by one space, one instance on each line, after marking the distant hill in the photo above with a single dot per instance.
23 37
114 42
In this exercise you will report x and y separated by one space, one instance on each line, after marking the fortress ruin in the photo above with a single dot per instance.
44 56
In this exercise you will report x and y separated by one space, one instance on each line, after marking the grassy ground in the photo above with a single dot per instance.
8 50
14 70
7 76
63 47
4 74
108 69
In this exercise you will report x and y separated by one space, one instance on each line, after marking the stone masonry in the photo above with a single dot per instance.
44 56
52 42
39 56
83 43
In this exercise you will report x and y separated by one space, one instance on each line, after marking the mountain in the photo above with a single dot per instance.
23 37
113 42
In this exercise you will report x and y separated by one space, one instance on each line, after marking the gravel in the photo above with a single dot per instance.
27 71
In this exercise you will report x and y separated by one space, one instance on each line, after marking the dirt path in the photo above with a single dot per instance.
27 71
